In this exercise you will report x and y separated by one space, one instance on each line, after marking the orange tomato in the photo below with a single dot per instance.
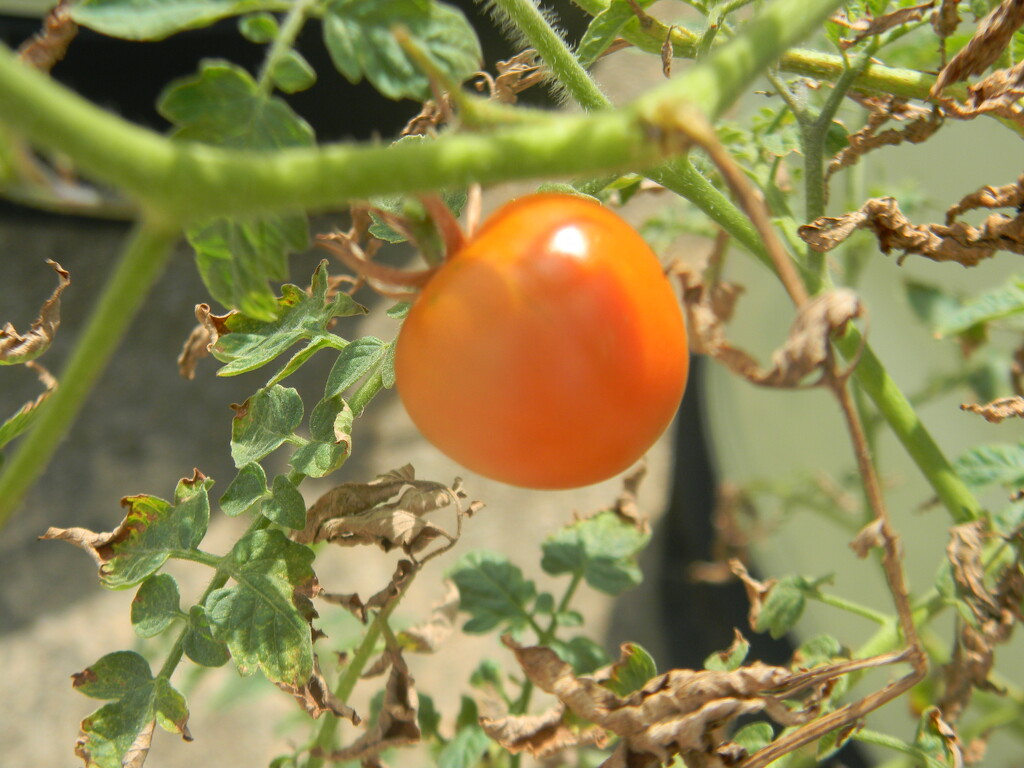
549 351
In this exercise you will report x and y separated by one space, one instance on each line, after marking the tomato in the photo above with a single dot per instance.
549 351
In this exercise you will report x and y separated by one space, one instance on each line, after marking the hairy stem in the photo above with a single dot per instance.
143 260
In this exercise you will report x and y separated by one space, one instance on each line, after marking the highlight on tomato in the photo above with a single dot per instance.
549 350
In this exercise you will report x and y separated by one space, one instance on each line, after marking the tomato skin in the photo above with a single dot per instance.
550 351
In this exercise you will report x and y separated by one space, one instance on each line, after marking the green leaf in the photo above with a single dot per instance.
731 658
487 674
428 718
602 31
292 73
783 607
602 549
263 422
246 491
263 618
330 427
199 643
932 304
358 358
154 19
585 655
754 736
156 605
820 649
286 506
632 671
138 701
387 369
259 28
492 591
1001 463
223 105
467 748
996 304
360 38
246 344
151 531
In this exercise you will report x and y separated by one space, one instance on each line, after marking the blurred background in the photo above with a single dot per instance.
145 427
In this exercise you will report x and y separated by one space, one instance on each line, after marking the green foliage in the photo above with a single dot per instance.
156 605
155 19
493 592
263 422
632 671
601 549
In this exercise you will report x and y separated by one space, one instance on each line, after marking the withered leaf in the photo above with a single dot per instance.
957 242
1005 196
201 340
756 590
921 124
997 410
946 18
16 348
988 42
23 418
48 46
875 26
998 94
316 697
428 636
870 536
806 350
396 724
965 556
388 512
541 735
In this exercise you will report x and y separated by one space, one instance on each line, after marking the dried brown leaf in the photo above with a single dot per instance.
991 38
316 698
541 735
957 242
1006 196
920 126
16 348
946 18
396 724
428 636
868 27
50 45
806 350
997 410
387 512
948 734
870 536
515 75
756 590
965 556
998 94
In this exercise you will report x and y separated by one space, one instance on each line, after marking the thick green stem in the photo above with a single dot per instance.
142 262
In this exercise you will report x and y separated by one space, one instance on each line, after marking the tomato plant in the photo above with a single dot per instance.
549 351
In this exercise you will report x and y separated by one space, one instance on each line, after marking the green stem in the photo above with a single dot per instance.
526 17
850 607
142 262
353 670
197 556
218 581
289 31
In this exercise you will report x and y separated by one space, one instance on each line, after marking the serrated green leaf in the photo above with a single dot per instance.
360 38
286 506
199 644
602 549
151 531
492 591
602 31
246 344
263 422
1001 463
358 358
262 618
154 19
330 427
246 491
754 736
731 658
259 28
931 304
292 73
138 700
820 649
632 671
783 607
466 749
156 605
223 105
996 304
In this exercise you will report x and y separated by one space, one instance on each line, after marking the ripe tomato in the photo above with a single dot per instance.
549 351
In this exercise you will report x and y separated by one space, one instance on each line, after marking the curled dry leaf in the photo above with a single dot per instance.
957 242
396 724
871 536
998 94
868 27
16 348
316 698
354 604
45 48
428 636
989 41
756 590
997 410
1005 196
201 340
807 349
515 75
946 18
388 512
541 735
